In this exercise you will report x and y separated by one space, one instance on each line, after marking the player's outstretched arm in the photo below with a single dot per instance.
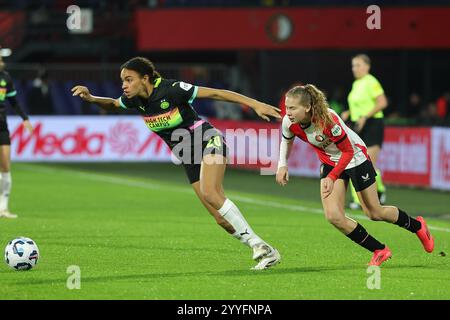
282 176
262 109
108 104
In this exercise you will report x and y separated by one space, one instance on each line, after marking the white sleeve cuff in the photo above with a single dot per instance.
283 161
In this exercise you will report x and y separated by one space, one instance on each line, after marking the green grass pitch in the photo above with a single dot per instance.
136 231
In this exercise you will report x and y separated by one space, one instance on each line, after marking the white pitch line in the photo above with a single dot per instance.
188 190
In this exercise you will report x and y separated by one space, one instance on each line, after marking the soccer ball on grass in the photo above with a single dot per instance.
21 254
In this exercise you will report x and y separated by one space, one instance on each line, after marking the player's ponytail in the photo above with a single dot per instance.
319 106
311 96
143 66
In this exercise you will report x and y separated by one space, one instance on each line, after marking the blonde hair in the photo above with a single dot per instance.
310 95
364 57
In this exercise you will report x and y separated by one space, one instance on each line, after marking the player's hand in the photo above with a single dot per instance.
282 176
264 110
326 187
83 92
28 126
345 115
360 124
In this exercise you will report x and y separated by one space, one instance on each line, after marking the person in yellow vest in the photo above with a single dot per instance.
366 102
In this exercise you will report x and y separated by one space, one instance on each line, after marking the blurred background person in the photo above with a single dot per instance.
414 107
442 106
366 101
429 115
39 96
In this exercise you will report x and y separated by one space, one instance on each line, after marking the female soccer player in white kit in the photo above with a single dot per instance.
344 156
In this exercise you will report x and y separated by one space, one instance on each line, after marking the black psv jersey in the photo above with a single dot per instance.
6 88
168 107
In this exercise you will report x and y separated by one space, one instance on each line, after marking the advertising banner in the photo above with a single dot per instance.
406 156
412 156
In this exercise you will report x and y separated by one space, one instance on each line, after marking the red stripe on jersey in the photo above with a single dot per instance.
364 151
335 132
335 145
347 154
323 156
299 132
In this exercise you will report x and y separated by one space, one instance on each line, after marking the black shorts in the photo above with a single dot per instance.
204 140
373 132
362 176
4 132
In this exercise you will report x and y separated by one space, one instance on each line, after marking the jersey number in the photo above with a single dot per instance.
214 142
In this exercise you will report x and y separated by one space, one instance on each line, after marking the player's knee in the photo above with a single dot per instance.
4 167
335 217
211 197
374 214
375 217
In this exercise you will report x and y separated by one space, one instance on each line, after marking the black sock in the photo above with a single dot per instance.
365 240
407 222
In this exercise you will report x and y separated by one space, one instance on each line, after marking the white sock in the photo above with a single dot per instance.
243 233
5 189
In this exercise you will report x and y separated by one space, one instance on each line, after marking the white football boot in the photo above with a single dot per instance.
269 258
7 214
260 250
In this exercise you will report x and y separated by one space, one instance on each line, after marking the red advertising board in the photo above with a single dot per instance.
406 156
410 156
440 158
291 28
11 28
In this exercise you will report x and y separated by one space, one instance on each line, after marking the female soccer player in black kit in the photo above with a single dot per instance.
7 93
165 106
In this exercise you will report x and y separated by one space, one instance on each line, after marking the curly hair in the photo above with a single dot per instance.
143 66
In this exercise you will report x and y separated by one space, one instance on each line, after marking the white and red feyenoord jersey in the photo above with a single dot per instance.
337 145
